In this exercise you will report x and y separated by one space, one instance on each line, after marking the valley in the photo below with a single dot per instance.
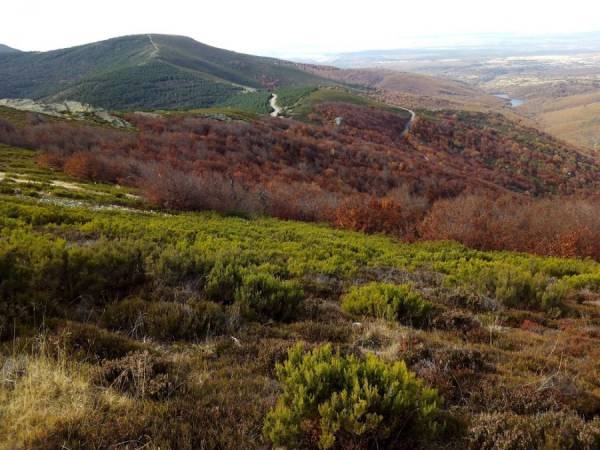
557 84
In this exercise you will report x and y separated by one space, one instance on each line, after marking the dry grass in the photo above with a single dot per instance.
39 392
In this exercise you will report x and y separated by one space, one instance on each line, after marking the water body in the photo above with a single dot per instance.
514 102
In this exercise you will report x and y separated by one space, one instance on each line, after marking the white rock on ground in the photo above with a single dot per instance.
67 109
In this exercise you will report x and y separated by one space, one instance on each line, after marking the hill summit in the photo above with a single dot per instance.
143 71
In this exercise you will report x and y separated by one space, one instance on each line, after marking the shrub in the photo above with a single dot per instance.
141 375
514 286
89 341
166 320
263 296
548 431
86 166
180 263
519 288
223 281
387 301
103 269
346 400
193 320
126 315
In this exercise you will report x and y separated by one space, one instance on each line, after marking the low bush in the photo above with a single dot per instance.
166 321
263 296
548 431
140 375
387 301
521 289
333 400
514 286
89 342
223 282
180 263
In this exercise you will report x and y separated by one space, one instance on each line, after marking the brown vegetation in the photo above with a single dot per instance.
438 182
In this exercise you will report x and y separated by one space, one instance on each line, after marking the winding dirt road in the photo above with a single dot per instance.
409 124
276 109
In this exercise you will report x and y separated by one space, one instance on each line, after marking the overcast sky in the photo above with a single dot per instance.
286 28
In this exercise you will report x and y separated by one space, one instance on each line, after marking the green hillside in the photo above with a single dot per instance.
143 71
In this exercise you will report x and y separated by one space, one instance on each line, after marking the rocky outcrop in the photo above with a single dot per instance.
65 110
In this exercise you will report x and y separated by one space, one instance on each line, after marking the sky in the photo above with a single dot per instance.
288 28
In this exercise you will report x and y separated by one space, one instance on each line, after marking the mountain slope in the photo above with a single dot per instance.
7 49
412 89
143 71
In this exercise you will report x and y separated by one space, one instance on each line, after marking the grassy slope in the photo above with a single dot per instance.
300 102
484 358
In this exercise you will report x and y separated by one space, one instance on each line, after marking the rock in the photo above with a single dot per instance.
66 110
147 114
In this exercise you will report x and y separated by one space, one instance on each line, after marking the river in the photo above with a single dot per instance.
514 102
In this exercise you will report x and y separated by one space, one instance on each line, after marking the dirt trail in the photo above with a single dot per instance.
276 109
409 124
155 52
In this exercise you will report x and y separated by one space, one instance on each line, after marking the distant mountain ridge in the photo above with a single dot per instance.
143 71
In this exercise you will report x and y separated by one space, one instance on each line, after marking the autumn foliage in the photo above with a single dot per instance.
557 226
471 177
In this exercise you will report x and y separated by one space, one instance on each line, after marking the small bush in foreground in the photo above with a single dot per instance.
349 401
387 301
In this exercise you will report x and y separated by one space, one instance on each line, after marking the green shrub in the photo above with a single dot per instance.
179 263
223 282
104 269
262 296
347 400
514 286
126 315
387 301
519 288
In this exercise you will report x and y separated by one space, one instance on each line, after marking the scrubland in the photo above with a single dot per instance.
202 283
131 329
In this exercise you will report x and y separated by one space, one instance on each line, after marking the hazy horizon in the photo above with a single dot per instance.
275 29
